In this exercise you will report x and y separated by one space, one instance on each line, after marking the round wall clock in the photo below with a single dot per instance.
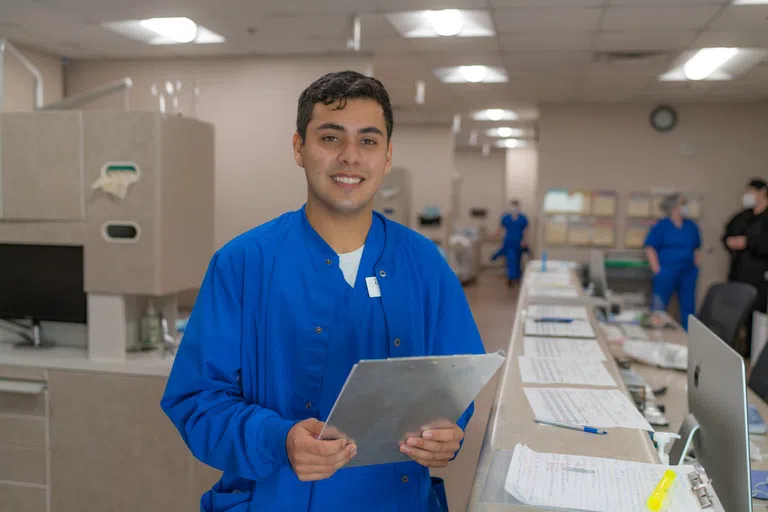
663 118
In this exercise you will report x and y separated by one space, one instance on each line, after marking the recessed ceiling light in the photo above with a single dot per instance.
505 132
473 138
447 22
165 31
706 61
471 74
494 114
510 143
179 30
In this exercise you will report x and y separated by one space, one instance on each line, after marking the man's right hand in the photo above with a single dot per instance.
313 459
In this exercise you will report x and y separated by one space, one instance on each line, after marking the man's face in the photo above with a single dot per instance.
345 155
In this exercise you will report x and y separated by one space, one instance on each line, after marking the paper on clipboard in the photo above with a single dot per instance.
387 400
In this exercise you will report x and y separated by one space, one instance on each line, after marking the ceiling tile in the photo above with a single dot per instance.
440 60
666 17
545 3
546 41
545 61
463 45
734 38
644 40
418 5
543 19
741 17
663 3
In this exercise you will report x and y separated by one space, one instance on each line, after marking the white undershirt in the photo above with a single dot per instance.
349 263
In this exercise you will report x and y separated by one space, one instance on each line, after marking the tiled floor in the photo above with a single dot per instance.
493 306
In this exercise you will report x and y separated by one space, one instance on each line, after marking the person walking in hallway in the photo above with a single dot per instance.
515 223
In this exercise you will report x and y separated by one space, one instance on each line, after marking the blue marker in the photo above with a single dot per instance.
583 428
552 319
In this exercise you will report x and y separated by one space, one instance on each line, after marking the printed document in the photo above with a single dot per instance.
609 408
559 293
562 348
541 370
574 329
576 482
545 311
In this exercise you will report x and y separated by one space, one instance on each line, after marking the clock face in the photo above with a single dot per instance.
663 118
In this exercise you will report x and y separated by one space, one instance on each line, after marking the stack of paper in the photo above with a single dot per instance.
544 311
550 280
560 293
572 329
542 370
575 482
658 353
565 348
594 407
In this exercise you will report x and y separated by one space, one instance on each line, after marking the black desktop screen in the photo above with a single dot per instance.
42 282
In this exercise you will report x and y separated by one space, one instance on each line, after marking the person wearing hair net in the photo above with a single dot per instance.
672 248
746 239
515 241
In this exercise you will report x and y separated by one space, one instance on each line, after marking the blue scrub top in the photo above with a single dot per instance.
514 226
273 335
675 246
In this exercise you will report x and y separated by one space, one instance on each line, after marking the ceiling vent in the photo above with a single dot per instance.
628 57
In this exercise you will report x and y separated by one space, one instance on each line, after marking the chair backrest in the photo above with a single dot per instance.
725 309
758 378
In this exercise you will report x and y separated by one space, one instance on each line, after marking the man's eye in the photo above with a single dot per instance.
369 142
330 138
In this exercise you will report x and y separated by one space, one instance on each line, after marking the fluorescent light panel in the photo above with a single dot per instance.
749 2
159 31
510 143
711 64
444 23
471 74
505 132
494 114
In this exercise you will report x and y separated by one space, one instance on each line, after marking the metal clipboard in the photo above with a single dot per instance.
387 400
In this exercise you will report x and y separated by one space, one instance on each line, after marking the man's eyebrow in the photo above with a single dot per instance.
331 126
371 129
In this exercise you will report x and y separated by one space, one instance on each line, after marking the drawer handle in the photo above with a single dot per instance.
22 387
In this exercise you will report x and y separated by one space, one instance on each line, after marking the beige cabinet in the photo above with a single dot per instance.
41 166
113 448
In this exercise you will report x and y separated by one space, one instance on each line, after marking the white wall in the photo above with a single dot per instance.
18 85
427 151
252 104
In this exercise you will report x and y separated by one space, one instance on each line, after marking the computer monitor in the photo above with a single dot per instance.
717 420
42 283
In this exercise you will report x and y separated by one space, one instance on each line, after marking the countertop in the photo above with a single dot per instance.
72 358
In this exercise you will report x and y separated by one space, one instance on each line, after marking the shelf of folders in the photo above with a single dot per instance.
647 205
579 218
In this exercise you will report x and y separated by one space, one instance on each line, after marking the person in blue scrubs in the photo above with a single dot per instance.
673 251
285 311
515 241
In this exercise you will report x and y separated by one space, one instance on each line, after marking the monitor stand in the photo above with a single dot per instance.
30 333
682 446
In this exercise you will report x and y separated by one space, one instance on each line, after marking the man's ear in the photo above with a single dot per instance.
388 166
298 146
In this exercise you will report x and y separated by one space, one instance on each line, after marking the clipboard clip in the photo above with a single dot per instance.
699 482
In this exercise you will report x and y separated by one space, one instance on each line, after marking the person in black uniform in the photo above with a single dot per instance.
746 239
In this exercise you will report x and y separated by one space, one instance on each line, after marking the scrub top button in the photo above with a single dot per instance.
318 330
382 273
328 262
397 342
308 405
404 479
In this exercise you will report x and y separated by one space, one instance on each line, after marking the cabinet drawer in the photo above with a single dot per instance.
22 403
22 431
23 464
20 373
20 498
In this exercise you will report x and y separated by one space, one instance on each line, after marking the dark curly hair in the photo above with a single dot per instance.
340 87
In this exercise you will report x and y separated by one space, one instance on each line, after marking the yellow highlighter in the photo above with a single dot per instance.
660 492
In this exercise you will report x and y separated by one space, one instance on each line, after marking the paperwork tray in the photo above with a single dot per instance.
385 401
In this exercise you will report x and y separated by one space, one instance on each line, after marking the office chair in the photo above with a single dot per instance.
725 309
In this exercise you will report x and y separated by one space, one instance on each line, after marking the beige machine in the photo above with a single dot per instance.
394 197
135 189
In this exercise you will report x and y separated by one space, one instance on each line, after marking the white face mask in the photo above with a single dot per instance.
515 210
748 200
684 210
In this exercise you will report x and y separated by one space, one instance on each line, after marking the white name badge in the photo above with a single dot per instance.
373 287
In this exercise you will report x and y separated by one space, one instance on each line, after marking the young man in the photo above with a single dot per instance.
515 241
285 311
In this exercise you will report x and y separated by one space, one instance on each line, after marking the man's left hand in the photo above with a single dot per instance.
435 448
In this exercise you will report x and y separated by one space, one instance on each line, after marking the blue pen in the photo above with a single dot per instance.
583 428
550 319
